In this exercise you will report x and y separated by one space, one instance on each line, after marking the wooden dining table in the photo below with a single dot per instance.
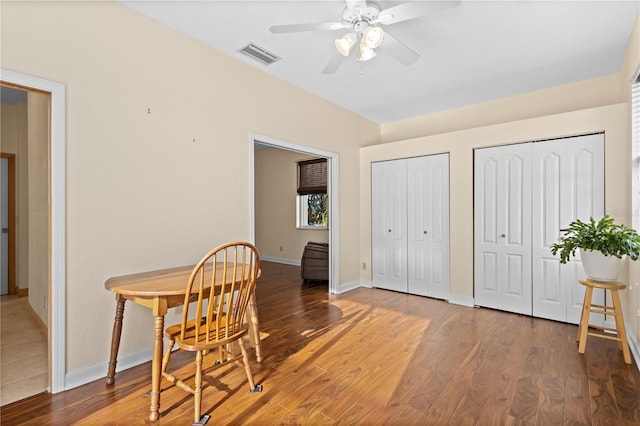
159 291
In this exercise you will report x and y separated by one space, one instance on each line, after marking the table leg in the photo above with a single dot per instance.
156 368
254 327
115 338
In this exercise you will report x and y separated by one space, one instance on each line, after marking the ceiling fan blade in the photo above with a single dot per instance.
413 9
398 50
297 28
334 64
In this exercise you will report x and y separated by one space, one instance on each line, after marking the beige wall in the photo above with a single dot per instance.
275 206
554 100
158 138
38 204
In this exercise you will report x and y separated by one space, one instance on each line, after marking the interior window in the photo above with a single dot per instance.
312 200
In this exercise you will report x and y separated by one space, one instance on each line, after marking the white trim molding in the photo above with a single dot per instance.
88 374
294 262
462 300
353 285
634 346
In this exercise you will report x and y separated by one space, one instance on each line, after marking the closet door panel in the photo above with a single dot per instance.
417 208
515 231
487 286
568 184
585 199
438 226
389 224
549 291
502 200
428 230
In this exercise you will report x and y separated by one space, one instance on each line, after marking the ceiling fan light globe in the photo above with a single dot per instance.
344 44
373 37
366 52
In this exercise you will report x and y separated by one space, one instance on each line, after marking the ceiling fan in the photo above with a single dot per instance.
361 18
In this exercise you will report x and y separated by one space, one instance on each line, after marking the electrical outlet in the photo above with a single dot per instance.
280 248
364 266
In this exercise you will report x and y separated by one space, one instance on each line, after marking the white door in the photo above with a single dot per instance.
502 224
389 224
568 184
428 225
4 226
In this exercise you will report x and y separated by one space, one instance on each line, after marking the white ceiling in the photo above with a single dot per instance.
477 51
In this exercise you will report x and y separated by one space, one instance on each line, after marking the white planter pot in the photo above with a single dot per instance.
599 267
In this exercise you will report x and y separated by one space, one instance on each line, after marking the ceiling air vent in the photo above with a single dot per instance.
259 54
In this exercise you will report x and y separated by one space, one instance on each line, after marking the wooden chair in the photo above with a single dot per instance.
214 316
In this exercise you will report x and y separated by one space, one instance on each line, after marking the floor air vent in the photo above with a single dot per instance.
259 54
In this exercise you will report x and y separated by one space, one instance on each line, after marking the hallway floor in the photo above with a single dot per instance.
23 352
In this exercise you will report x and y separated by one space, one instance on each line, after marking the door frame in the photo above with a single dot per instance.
332 162
11 223
57 218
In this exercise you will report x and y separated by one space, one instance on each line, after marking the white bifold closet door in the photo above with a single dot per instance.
410 235
524 195
568 177
502 211
428 225
389 224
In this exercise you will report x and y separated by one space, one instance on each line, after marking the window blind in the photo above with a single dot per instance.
312 176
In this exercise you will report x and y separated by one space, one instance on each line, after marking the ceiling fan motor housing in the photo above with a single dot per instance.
355 15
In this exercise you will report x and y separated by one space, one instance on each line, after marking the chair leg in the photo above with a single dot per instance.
167 356
584 321
197 394
247 368
622 333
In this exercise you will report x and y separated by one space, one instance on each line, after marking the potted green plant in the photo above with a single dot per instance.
603 247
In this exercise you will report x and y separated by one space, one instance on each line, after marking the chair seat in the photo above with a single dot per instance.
213 339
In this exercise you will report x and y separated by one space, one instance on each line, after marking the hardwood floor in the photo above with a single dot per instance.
377 357
23 352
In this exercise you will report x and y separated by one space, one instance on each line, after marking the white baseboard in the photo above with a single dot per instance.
294 262
345 287
82 376
456 299
634 346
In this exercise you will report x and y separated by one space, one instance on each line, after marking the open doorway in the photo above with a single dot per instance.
25 252
43 269
299 152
